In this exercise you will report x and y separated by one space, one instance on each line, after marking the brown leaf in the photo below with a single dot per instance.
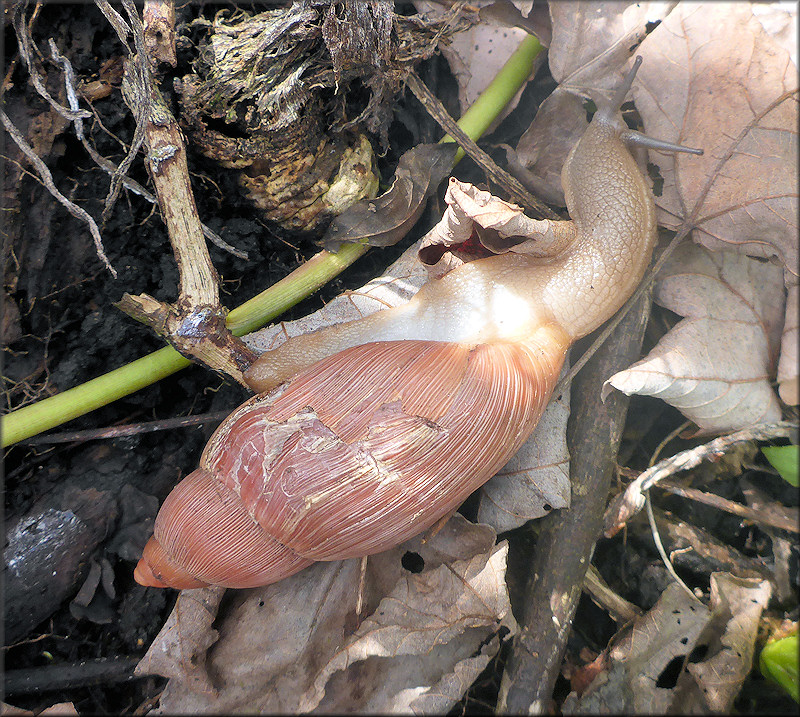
179 650
423 635
591 44
673 628
500 227
731 90
477 54
385 220
714 366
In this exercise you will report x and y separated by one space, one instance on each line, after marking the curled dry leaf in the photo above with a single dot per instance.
420 639
385 220
676 627
714 366
500 226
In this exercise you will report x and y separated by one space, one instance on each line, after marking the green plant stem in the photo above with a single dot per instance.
476 120
303 281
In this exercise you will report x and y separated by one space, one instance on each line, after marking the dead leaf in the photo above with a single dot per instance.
60 708
536 480
421 640
500 226
179 650
731 90
591 44
535 22
713 648
385 220
787 366
738 604
714 366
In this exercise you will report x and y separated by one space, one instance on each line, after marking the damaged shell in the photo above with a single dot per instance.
359 452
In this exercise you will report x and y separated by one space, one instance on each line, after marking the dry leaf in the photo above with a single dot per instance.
60 708
732 88
179 650
500 226
679 628
385 220
421 640
787 366
721 76
591 44
737 603
714 366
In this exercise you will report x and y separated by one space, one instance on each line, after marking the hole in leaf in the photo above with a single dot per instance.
699 653
669 675
413 562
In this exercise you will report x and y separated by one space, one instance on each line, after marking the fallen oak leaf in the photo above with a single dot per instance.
385 220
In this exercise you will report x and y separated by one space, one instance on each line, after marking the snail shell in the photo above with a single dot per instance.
356 454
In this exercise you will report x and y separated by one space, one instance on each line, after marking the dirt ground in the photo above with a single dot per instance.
60 328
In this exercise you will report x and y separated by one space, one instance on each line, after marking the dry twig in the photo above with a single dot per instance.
627 504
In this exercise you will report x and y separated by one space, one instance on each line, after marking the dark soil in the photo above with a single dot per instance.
60 329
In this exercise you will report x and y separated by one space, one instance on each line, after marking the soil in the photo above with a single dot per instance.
60 329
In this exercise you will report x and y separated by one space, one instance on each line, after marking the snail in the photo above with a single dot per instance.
364 434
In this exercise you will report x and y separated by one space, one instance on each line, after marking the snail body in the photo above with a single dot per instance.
367 433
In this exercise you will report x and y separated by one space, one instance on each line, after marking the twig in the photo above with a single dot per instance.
195 323
510 183
47 180
620 610
133 429
78 674
651 518
627 504
729 506
660 547
567 537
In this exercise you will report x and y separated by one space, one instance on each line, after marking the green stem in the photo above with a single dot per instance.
303 281
476 120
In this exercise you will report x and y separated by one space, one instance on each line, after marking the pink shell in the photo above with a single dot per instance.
354 455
